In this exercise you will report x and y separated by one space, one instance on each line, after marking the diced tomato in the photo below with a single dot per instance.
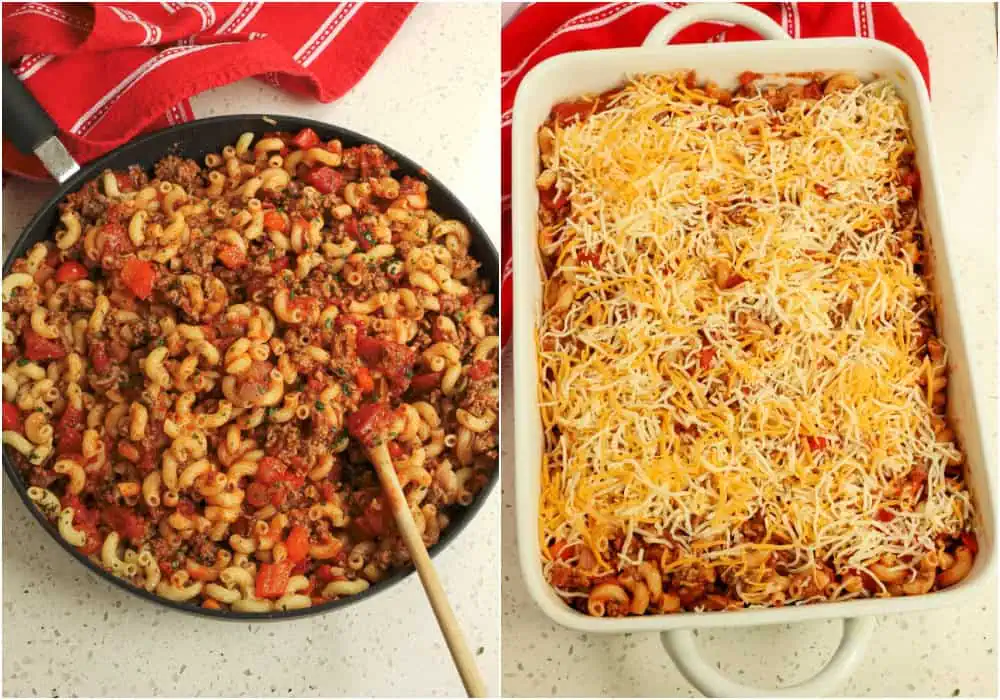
274 221
314 385
363 237
38 348
589 257
912 180
552 199
363 377
324 573
69 431
258 495
71 271
325 179
375 521
479 370
307 138
99 357
116 240
327 489
299 569
812 91
297 544
12 418
468 300
138 276
272 579
918 476
368 423
733 281
705 358
561 551
124 181
969 540
370 349
211 604
185 507
884 516
278 496
232 257
269 470
125 522
426 382
747 77
565 112
820 190
395 451
294 479
84 519
816 443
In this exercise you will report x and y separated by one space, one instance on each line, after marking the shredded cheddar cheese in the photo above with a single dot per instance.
731 338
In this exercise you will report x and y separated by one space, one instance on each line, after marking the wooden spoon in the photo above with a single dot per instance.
464 661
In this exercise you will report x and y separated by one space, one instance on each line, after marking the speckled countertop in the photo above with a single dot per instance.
940 653
433 95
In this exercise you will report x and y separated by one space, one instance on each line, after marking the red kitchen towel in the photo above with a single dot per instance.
107 72
543 30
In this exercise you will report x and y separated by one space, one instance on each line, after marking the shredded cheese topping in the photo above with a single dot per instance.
794 401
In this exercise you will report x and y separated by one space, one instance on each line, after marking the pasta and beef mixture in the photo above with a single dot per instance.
194 367
742 391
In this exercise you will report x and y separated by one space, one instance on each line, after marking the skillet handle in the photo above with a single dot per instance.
32 130
711 682
668 27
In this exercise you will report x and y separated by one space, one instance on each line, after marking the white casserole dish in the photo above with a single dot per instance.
570 75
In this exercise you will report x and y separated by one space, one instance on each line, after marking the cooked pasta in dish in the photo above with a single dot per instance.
742 392
187 362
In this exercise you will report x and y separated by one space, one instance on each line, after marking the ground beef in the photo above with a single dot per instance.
202 549
184 171
88 201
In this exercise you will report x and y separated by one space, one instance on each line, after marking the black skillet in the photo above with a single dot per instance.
31 130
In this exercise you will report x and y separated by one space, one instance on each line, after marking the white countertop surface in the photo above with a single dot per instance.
942 653
434 95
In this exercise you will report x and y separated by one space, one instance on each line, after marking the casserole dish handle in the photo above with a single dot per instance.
668 27
711 682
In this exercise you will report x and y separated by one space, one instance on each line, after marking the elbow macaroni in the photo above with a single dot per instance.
185 394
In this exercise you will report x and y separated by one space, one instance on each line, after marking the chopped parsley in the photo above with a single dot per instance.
320 406
271 411
346 388
329 324
22 362
459 315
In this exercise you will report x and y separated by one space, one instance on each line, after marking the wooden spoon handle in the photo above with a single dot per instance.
453 636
